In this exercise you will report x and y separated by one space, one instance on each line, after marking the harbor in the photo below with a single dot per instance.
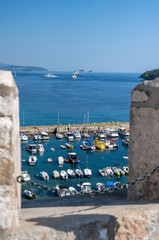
79 158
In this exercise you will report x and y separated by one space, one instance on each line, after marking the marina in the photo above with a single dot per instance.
74 167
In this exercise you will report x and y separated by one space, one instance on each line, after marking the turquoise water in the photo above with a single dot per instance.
107 98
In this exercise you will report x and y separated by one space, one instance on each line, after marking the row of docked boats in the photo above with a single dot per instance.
109 172
33 148
71 173
42 136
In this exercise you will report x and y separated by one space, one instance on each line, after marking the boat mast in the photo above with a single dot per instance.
23 118
87 117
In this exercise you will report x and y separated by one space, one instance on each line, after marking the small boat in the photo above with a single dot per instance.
86 187
76 134
109 171
44 176
59 136
29 194
110 132
62 146
60 160
69 146
126 169
25 176
125 142
79 173
37 137
24 137
49 75
71 173
64 175
74 76
124 131
118 172
72 157
49 160
69 136
55 174
99 145
44 135
32 160
100 134
52 149
85 135
87 172
31 148
62 191
109 185
110 144
40 148
103 173
125 157
88 146
100 187
73 191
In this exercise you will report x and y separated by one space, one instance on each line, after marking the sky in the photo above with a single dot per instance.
64 35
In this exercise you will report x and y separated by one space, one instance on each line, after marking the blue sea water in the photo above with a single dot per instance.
106 96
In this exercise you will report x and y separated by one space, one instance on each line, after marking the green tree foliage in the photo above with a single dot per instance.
150 75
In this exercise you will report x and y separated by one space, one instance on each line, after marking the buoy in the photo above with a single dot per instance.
40 194
37 175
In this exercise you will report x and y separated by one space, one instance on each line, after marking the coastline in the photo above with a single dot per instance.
89 127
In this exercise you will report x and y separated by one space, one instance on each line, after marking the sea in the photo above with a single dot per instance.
92 97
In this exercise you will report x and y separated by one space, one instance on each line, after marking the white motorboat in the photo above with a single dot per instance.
49 75
31 148
79 173
86 187
124 131
62 146
77 72
85 135
44 135
59 136
64 175
100 187
71 173
109 171
100 135
88 146
55 174
125 157
72 157
60 160
74 76
52 149
40 148
37 137
29 194
110 132
103 173
49 160
87 172
111 144
44 176
62 191
24 137
25 176
32 160
69 136
73 191
76 134
69 145
126 169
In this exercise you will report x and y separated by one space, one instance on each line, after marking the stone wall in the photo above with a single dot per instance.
144 140
10 167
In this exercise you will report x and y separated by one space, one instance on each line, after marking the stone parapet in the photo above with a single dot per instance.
144 140
10 167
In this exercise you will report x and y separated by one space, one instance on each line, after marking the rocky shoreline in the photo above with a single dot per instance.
81 127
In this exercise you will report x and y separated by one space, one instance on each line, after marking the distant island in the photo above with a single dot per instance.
150 75
22 68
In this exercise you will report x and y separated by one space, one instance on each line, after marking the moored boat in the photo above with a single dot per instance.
62 146
86 187
126 169
59 136
71 173
85 135
109 171
31 148
40 148
44 135
32 160
29 194
103 173
55 174
72 157
76 134
69 136
69 146
62 191
87 172
25 176
64 175
49 160
100 187
73 191
44 176
99 145
88 146
124 131
79 173
60 160
24 137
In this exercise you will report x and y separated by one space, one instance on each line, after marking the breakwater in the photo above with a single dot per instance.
91 127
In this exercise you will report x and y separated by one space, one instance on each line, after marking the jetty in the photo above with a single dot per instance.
90 127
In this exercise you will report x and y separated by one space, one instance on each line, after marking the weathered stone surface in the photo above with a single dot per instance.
10 166
144 145
139 96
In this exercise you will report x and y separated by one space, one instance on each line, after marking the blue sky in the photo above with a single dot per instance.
102 35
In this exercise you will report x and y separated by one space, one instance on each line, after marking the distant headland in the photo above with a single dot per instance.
150 75
21 68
